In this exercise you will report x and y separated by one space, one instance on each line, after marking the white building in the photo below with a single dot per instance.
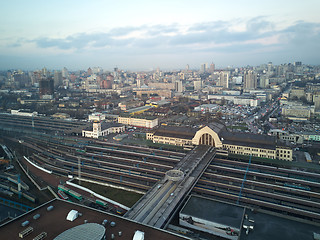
22 112
197 85
223 79
100 129
238 100
97 117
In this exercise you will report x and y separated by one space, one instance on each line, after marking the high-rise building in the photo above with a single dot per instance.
178 86
89 71
264 81
270 68
250 80
46 87
203 68
65 73
45 72
20 79
197 85
298 67
223 80
138 83
57 78
316 100
35 78
97 70
187 67
212 67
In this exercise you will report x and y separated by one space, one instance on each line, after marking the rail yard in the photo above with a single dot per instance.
270 187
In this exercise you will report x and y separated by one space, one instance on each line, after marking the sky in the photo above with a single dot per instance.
165 34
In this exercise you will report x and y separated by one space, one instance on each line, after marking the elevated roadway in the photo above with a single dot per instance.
158 205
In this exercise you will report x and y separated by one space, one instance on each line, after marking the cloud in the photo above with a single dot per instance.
252 37
303 34
217 33
259 24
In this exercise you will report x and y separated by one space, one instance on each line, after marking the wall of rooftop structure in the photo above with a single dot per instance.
254 151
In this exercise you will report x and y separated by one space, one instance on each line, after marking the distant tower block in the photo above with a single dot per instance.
212 67
174 175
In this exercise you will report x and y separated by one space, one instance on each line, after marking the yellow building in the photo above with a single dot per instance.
138 110
137 121
215 134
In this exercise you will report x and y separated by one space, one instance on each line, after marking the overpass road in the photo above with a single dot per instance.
158 205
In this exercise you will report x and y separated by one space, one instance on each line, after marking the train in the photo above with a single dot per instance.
70 192
62 195
101 203
298 186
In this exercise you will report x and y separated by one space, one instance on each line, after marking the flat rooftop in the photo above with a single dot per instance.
54 223
268 227
214 211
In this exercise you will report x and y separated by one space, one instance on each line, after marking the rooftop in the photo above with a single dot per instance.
104 126
138 109
249 139
126 115
214 211
268 227
54 223
176 132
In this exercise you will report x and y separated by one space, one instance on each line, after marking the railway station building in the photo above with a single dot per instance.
215 134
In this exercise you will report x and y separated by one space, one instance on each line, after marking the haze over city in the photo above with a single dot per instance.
144 35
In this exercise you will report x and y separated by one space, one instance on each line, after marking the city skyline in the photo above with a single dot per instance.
143 36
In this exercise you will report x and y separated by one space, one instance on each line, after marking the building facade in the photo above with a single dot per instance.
223 79
100 129
250 80
139 122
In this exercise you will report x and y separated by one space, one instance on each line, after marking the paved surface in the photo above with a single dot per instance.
42 178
